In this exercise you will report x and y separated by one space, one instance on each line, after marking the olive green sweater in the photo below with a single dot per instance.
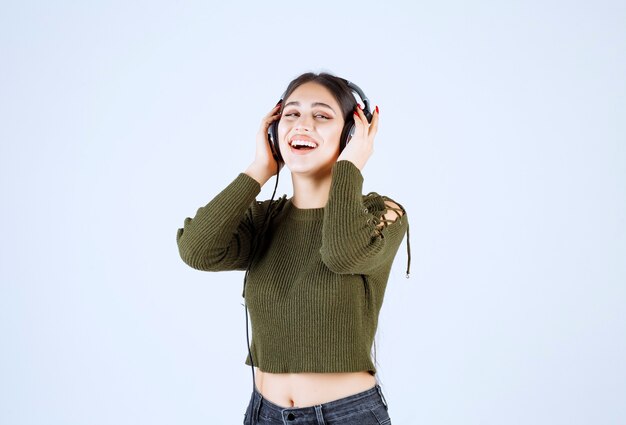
317 281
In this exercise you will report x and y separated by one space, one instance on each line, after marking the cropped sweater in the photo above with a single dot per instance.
318 276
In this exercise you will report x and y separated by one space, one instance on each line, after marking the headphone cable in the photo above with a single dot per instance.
245 278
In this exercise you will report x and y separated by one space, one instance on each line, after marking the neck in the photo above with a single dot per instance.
310 191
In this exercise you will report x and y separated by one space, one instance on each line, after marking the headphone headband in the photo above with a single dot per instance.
364 98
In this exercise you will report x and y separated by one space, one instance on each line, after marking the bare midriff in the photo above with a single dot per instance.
309 389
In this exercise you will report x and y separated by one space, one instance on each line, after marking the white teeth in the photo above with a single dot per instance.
303 143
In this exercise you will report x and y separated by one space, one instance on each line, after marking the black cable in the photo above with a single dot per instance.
245 278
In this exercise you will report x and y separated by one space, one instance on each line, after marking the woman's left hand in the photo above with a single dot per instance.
361 145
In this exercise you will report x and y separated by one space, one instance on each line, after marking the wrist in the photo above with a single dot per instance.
358 164
257 173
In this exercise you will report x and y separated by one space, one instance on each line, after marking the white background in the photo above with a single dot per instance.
502 132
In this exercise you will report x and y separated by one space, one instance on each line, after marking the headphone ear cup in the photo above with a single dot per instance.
272 134
346 135
350 128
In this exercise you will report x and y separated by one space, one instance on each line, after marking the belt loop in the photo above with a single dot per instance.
380 391
318 413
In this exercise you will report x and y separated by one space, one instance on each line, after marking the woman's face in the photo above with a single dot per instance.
309 129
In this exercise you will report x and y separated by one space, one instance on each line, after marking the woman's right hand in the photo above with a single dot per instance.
264 165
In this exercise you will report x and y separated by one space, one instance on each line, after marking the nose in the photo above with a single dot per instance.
304 123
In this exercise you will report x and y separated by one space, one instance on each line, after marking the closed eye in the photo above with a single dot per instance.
316 116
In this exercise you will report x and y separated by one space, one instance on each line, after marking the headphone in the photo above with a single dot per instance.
346 134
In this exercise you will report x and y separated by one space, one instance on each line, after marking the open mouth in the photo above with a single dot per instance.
302 145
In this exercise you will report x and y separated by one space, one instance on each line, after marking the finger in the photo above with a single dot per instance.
272 119
358 121
363 121
374 124
267 121
359 114
275 112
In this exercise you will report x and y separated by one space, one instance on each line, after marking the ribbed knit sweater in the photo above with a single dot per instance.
317 281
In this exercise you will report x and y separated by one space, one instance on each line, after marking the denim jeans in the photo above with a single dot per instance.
368 407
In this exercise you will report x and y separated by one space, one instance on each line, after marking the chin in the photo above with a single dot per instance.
310 169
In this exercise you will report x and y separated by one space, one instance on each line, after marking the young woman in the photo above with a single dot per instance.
316 264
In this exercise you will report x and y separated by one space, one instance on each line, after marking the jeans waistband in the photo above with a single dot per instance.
330 410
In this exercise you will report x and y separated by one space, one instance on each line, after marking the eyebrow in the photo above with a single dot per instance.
312 104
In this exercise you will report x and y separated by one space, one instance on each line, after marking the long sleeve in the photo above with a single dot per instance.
351 241
220 236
